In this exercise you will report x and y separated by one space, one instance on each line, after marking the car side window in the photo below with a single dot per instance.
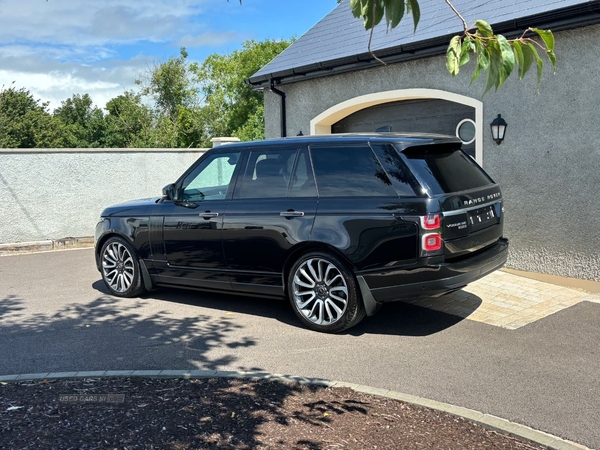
211 178
349 172
402 179
267 173
302 183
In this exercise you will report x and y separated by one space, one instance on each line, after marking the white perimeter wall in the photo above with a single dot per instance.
49 194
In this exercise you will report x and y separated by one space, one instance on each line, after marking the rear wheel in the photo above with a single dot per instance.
120 268
324 293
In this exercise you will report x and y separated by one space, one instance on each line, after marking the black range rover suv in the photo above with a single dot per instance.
339 224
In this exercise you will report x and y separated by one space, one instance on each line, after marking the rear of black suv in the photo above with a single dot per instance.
459 223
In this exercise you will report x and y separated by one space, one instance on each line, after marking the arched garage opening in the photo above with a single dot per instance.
408 110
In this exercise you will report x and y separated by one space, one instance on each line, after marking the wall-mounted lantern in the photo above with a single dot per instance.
498 127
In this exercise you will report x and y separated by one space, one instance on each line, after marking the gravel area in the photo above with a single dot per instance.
222 413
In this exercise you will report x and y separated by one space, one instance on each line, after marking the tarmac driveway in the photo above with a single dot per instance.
541 368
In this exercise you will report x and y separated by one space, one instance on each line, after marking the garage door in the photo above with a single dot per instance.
426 116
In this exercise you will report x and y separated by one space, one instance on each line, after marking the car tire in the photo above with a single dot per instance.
120 268
324 293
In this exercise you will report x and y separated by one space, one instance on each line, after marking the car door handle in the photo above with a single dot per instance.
290 214
208 214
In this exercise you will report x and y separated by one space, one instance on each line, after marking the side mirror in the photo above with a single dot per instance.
169 192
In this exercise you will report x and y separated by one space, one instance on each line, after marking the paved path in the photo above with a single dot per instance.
541 368
508 301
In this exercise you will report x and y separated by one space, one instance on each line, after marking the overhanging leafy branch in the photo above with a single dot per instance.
495 54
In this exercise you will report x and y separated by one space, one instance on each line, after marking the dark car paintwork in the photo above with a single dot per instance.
249 246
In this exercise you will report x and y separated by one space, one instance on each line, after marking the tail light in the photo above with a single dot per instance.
431 242
431 221
431 234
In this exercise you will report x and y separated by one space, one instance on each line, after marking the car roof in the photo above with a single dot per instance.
402 139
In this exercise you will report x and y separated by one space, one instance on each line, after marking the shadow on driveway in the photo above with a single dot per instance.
398 318
112 333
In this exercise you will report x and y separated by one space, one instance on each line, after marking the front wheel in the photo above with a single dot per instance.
120 268
324 293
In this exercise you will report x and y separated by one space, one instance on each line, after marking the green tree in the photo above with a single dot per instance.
26 123
494 54
129 122
85 122
169 84
171 88
230 107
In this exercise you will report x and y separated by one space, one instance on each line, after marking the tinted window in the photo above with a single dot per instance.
446 169
349 171
402 179
267 174
302 181
210 179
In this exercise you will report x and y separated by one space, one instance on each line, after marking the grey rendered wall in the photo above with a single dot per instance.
53 194
549 164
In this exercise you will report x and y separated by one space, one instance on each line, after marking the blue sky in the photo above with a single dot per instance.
58 48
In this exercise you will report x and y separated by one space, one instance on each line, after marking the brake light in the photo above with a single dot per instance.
431 221
431 242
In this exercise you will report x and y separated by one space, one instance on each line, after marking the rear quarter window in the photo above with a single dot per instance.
349 172
445 168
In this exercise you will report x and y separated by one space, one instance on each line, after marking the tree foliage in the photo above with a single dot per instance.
84 121
494 53
177 103
26 123
170 85
128 122
230 107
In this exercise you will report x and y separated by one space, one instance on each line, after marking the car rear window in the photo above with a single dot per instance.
446 168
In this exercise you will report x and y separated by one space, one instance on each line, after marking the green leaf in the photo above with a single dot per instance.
495 64
527 60
518 51
394 11
453 55
367 13
483 55
546 36
415 10
483 60
356 7
484 28
552 58
379 11
359 8
372 12
366 7
508 60
538 60
467 48
476 73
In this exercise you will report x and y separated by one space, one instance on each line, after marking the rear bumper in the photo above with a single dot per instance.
435 279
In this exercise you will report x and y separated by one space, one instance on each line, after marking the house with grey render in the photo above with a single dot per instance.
548 164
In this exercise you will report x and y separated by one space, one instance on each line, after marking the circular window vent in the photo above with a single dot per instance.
465 131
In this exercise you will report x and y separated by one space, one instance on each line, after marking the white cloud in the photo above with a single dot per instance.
93 22
50 80
57 48
56 87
